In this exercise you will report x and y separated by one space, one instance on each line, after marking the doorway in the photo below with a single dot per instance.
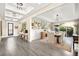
10 29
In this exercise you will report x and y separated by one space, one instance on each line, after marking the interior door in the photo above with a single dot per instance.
10 29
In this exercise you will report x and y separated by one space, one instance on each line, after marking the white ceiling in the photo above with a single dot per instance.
14 14
65 12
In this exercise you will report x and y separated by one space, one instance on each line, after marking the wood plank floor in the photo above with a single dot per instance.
14 46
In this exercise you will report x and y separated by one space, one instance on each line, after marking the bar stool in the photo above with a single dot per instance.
75 45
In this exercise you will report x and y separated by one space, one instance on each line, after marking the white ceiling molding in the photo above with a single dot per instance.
47 8
10 17
44 18
13 11
43 9
27 9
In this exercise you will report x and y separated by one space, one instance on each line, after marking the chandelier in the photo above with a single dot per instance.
20 6
57 20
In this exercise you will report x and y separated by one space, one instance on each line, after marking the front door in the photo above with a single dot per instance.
10 29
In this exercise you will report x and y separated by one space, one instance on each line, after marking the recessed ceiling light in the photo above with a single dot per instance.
8 19
39 3
15 19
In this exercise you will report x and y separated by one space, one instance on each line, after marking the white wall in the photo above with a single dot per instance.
2 10
4 28
31 33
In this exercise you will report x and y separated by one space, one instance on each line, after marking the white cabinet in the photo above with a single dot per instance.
35 34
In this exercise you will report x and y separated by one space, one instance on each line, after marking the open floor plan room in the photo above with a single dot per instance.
33 29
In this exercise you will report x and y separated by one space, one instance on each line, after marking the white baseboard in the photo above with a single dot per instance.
8 36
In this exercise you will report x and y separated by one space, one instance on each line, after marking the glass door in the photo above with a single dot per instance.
10 28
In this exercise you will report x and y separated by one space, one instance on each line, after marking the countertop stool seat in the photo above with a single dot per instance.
75 45
23 36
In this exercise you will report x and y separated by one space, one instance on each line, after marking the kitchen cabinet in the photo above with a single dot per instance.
43 35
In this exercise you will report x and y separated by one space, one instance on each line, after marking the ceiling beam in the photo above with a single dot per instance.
14 11
44 9
11 17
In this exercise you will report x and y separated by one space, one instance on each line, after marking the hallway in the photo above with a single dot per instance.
14 46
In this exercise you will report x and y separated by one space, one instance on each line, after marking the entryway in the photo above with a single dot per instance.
10 29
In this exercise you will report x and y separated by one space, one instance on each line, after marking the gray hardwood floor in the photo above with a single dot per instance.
13 46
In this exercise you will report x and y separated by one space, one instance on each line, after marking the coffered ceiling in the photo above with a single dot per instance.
15 12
